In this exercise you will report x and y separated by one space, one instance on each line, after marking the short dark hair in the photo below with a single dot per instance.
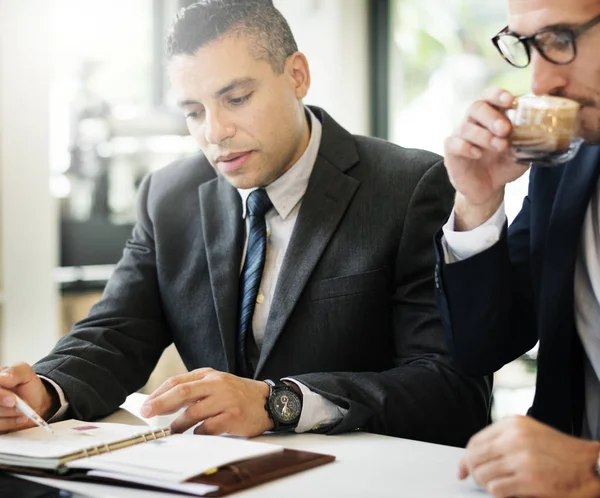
207 20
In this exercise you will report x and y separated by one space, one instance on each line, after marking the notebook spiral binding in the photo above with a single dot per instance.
117 445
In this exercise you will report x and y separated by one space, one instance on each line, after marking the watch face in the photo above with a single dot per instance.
285 405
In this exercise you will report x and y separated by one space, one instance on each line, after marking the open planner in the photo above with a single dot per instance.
153 459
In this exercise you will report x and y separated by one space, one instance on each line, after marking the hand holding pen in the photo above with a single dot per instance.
31 414
32 403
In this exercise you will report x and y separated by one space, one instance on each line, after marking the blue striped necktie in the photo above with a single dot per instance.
258 204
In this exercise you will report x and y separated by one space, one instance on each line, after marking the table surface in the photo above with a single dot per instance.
367 465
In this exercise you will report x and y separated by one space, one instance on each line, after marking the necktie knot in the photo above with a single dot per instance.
258 203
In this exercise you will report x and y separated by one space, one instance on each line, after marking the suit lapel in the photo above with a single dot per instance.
326 200
222 225
573 195
556 317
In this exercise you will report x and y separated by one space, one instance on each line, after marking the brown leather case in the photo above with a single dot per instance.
248 473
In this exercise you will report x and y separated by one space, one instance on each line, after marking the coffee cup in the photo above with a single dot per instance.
544 130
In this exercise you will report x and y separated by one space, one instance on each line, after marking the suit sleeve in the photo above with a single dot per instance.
486 301
112 352
424 396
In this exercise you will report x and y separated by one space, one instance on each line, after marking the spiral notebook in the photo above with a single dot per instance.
153 459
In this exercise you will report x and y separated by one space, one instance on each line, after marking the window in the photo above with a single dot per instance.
111 123
436 66
439 64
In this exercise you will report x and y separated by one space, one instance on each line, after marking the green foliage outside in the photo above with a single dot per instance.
426 32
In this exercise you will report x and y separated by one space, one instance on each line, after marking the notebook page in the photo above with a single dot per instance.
69 436
176 458
196 489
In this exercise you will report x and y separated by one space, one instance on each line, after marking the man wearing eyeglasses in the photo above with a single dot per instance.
500 289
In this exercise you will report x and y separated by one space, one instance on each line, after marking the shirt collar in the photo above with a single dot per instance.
287 191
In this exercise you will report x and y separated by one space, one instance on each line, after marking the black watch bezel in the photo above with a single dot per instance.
275 390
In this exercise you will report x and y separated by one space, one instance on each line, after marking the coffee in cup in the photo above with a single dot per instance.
544 129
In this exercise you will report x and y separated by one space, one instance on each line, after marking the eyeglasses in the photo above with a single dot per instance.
556 45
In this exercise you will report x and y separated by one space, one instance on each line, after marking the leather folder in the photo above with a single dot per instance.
229 478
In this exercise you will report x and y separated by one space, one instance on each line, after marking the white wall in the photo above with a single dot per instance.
28 216
333 34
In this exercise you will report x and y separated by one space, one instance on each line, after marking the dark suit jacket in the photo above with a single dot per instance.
353 316
496 305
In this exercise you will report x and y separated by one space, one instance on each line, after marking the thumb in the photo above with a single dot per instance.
463 469
14 377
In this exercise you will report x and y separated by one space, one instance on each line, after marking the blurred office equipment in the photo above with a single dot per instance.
112 124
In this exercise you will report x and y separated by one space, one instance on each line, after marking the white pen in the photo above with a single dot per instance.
31 414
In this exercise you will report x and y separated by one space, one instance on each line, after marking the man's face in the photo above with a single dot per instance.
579 80
248 120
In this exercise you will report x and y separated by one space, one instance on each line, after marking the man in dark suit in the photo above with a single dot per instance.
500 289
289 250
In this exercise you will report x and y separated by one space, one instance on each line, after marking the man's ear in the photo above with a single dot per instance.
296 67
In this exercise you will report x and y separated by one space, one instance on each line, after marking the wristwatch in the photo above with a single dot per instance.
284 406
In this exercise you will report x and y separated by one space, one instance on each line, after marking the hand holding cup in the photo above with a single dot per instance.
496 143
479 160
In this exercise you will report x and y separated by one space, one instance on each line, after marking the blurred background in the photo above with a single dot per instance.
86 112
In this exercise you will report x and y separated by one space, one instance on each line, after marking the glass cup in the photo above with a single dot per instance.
544 130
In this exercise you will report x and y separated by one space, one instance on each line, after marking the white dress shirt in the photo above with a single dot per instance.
458 246
286 194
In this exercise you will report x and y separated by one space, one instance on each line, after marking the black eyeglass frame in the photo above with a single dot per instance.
527 41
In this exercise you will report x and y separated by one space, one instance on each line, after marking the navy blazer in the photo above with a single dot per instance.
496 305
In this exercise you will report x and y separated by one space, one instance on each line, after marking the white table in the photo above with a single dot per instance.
366 466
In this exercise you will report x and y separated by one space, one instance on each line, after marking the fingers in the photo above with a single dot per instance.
11 424
484 114
11 377
481 454
178 396
12 419
170 383
491 471
195 413
498 97
498 429
7 398
491 443
485 436
482 138
495 457
9 412
485 127
463 469
507 433
22 372
482 462
459 147
505 487
214 426
480 450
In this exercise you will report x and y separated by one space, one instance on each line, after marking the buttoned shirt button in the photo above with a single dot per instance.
260 298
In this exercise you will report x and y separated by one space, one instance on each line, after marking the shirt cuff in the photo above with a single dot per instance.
317 411
458 246
64 405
